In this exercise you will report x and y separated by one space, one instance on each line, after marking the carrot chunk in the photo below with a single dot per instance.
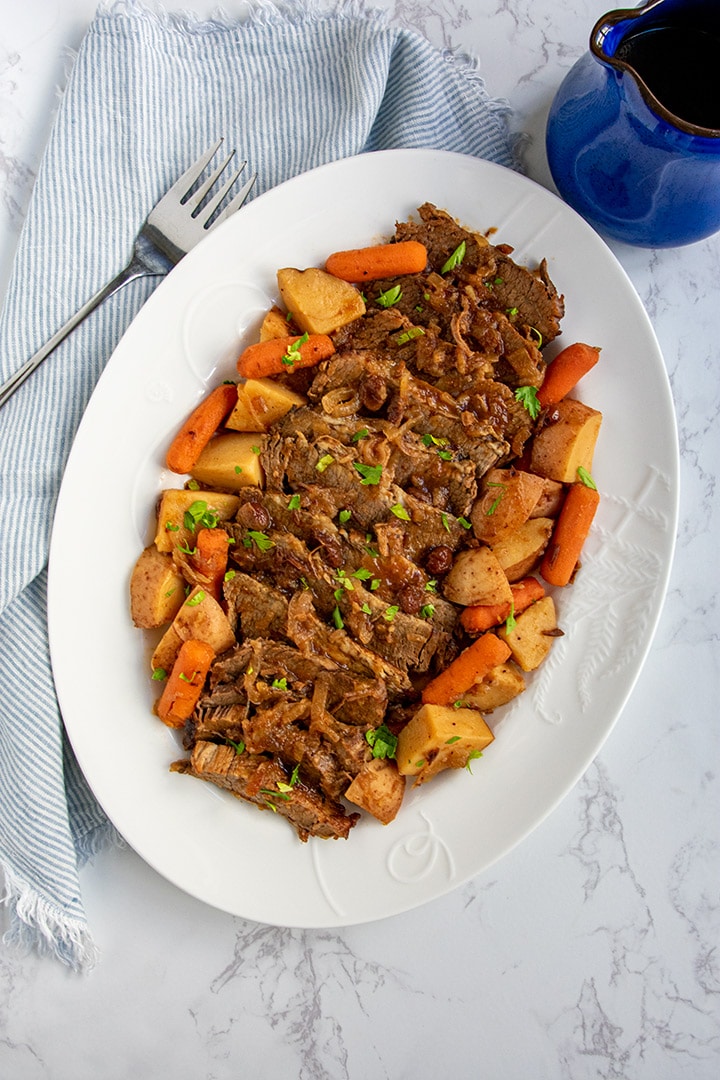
571 530
210 559
480 617
472 664
565 372
185 682
199 428
379 261
275 355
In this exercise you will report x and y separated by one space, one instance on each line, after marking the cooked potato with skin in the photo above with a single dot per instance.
229 462
533 634
317 301
498 687
520 552
275 324
175 502
508 497
439 737
550 501
200 618
260 403
156 589
379 789
567 441
476 577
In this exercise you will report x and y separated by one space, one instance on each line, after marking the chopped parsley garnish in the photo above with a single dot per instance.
452 739
382 741
431 586
362 574
293 353
538 336
431 440
280 684
261 540
511 621
496 502
325 460
464 522
512 312
238 747
366 609
585 478
427 611
527 396
400 512
344 516
192 485
472 756
446 455
370 473
294 503
445 522
409 334
159 673
170 526
337 618
198 513
375 584
238 469
361 434
229 575
196 599
255 449
186 549
390 296
390 612
455 259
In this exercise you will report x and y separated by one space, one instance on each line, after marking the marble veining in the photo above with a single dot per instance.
590 951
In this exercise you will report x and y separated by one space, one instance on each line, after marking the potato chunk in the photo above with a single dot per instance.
229 461
522 550
507 499
438 738
199 618
260 403
499 686
567 442
533 635
275 324
175 502
317 301
477 577
379 789
156 589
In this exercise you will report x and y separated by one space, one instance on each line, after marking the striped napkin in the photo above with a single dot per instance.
291 88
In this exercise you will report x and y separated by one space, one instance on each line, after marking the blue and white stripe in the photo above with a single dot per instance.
291 89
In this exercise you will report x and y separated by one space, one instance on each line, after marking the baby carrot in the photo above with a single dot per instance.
379 261
275 355
472 664
185 683
481 617
210 558
565 372
200 427
571 529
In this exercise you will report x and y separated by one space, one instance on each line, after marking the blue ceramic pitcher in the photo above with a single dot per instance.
633 136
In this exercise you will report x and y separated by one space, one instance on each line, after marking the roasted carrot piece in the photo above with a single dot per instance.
379 261
185 683
565 372
472 664
275 355
199 428
210 558
569 535
481 617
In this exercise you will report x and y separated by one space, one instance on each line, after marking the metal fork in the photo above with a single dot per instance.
184 215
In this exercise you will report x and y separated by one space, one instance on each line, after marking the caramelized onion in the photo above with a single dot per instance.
341 402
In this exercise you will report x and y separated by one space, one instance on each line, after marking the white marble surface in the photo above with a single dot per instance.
589 951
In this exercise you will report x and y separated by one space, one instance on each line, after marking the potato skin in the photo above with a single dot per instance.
317 301
156 589
507 500
566 442
520 552
439 737
476 577
533 634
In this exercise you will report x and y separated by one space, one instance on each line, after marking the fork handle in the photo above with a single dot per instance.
132 270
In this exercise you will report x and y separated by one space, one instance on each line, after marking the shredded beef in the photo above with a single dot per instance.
368 493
